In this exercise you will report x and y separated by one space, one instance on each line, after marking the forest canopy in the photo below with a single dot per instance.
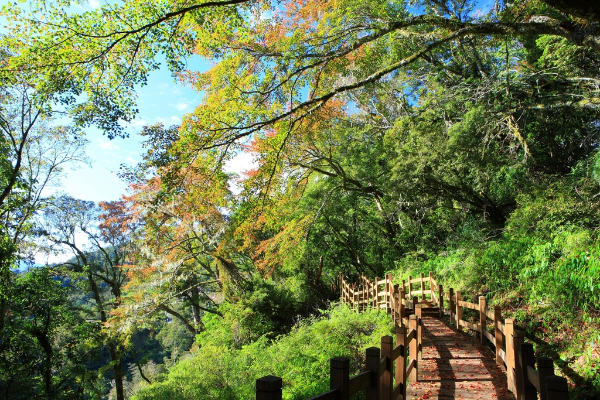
387 136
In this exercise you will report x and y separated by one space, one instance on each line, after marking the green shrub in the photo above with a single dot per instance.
301 358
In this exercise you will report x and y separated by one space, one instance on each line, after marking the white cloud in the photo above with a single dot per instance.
107 144
240 163
138 123
182 106
94 3
169 121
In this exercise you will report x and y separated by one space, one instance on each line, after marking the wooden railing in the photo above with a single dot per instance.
406 307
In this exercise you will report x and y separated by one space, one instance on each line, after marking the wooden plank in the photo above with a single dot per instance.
397 352
489 314
382 367
411 366
397 391
433 282
330 395
489 336
467 304
503 355
417 292
533 377
360 382
469 325
400 361
501 326
411 335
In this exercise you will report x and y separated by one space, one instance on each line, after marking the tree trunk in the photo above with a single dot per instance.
118 370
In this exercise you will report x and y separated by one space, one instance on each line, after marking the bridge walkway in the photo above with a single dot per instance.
456 366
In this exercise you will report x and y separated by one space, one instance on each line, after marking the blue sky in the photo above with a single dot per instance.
162 100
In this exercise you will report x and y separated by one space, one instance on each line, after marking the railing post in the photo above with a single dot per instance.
419 314
498 333
402 306
377 293
511 354
374 291
557 388
422 287
431 284
269 388
526 358
339 376
387 380
362 296
413 323
545 367
372 364
518 337
390 286
458 308
396 306
401 361
409 287
441 300
415 301
451 305
482 318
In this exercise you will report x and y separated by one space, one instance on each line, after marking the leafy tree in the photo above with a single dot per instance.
44 346
109 232
185 254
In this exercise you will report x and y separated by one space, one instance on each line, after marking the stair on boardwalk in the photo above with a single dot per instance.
456 366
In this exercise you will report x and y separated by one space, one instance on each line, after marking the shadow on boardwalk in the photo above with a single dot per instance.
456 366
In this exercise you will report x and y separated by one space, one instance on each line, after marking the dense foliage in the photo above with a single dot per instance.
220 370
388 136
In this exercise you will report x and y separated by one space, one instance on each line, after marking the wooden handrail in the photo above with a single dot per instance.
360 382
531 381
406 310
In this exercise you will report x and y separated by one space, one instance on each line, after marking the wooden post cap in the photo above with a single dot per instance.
400 329
526 347
340 362
412 317
545 362
418 305
269 383
373 351
386 339
557 384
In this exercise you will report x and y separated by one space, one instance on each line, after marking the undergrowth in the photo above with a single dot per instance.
220 371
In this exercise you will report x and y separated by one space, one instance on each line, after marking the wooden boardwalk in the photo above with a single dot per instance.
456 366
431 359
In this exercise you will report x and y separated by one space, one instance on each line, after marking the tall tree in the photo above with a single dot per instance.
100 239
